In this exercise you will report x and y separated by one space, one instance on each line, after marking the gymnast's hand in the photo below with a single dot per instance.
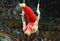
21 4
38 11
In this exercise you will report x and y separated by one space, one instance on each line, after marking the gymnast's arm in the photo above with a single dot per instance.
23 20
38 17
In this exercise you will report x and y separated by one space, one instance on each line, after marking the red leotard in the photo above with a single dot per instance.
29 26
31 17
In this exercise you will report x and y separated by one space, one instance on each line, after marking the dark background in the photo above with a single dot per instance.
49 24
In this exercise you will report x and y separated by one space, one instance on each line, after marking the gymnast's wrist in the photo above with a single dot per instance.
38 13
21 4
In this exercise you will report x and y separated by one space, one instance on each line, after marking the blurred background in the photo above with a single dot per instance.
49 24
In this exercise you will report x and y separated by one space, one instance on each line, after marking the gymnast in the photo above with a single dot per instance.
32 18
